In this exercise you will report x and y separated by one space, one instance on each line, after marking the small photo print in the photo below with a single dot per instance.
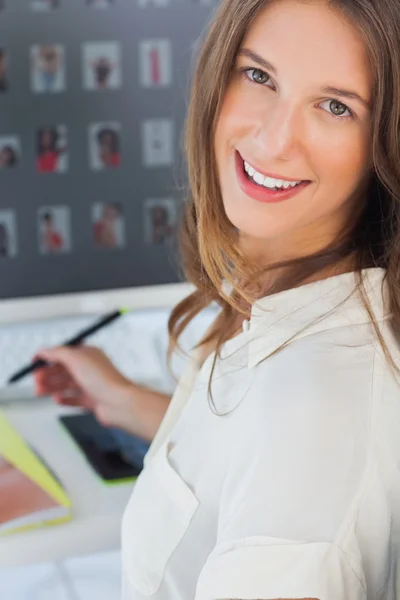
8 234
51 149
101 66
157 142
4 83
155 63
54 229
100 3
10 151
48 68
160 220
104 146
45 5
108 225
158 3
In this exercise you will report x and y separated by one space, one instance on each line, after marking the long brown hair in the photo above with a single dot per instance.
208 241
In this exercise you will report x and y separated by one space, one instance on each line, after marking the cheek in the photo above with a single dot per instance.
341 162
233 121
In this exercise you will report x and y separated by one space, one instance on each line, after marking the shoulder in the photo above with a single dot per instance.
319 366
312 399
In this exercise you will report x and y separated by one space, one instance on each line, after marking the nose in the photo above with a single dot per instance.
280 131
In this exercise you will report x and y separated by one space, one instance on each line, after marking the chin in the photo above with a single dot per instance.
251 224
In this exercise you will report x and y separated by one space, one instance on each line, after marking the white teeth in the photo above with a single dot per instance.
268 182
258 178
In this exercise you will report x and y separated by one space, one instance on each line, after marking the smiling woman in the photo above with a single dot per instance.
288 129
275 471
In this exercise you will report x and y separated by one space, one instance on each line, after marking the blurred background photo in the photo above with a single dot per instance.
160 220
48 68
54 229
108 225
10 151
8 234
104 145
44 5
102 66
100 3
4 83
51 149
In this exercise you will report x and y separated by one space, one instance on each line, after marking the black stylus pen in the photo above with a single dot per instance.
75 341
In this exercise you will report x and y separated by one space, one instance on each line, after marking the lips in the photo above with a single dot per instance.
262 193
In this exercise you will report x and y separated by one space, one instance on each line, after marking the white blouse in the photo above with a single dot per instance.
295 491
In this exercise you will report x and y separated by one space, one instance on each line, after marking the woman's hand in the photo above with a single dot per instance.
84 376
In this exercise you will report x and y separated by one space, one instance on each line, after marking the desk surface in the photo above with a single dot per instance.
97 508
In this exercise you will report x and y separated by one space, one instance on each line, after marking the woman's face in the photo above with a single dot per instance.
286 126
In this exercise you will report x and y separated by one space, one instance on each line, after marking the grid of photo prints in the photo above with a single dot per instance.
102 72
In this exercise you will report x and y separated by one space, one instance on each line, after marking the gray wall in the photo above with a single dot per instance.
23 190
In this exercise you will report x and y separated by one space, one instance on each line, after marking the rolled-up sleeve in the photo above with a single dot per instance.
267 569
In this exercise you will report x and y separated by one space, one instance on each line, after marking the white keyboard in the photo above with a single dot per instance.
136 343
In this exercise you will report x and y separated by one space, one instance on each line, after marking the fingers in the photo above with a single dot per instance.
67 356
52 375
61 378
53 378
50 371
74 398
69 397
58 354
56 381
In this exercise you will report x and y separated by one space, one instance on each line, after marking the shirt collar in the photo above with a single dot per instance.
277 318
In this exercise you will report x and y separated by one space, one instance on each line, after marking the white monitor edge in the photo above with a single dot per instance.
17 310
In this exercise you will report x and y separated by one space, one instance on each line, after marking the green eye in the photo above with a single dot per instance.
258 76
337 108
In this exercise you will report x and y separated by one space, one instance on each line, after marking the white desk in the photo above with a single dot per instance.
97 508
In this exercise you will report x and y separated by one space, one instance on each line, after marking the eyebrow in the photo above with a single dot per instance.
325 89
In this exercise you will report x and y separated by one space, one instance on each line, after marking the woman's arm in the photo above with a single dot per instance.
144 410
85 376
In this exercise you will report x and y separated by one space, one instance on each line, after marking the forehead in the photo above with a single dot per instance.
313 40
